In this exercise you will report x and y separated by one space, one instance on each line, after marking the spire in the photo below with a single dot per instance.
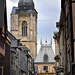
41 40
51 40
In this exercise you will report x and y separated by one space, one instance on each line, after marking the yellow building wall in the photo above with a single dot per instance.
16 29
50 68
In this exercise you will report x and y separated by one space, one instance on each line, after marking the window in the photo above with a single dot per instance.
45 59
45 68
24 28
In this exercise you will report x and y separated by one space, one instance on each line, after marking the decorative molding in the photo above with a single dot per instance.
44 62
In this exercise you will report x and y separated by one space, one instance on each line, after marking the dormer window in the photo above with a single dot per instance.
24 28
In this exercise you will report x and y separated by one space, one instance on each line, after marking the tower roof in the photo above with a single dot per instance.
45 50
26 3
24 6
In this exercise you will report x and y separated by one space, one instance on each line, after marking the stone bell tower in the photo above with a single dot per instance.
24 25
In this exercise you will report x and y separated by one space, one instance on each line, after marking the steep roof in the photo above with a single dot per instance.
46 49
11 37
24 7
17 10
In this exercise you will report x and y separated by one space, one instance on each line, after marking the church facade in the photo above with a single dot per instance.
45 60
24 25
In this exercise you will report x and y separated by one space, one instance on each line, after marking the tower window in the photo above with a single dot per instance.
24 28
45 59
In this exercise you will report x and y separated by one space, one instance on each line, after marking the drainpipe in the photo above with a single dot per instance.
69 35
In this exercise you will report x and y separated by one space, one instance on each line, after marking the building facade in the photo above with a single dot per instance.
24 25
57 57
66 38
21 62
45 60
4 41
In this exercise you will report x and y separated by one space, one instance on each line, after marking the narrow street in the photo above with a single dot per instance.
37 37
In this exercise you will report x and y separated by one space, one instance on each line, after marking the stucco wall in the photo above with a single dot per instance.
50 67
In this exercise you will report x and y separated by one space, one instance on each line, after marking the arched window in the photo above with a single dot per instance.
45 59
24 28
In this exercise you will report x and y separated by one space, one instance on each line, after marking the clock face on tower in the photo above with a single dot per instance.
45 58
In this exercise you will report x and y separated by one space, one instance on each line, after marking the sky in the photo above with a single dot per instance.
48 15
